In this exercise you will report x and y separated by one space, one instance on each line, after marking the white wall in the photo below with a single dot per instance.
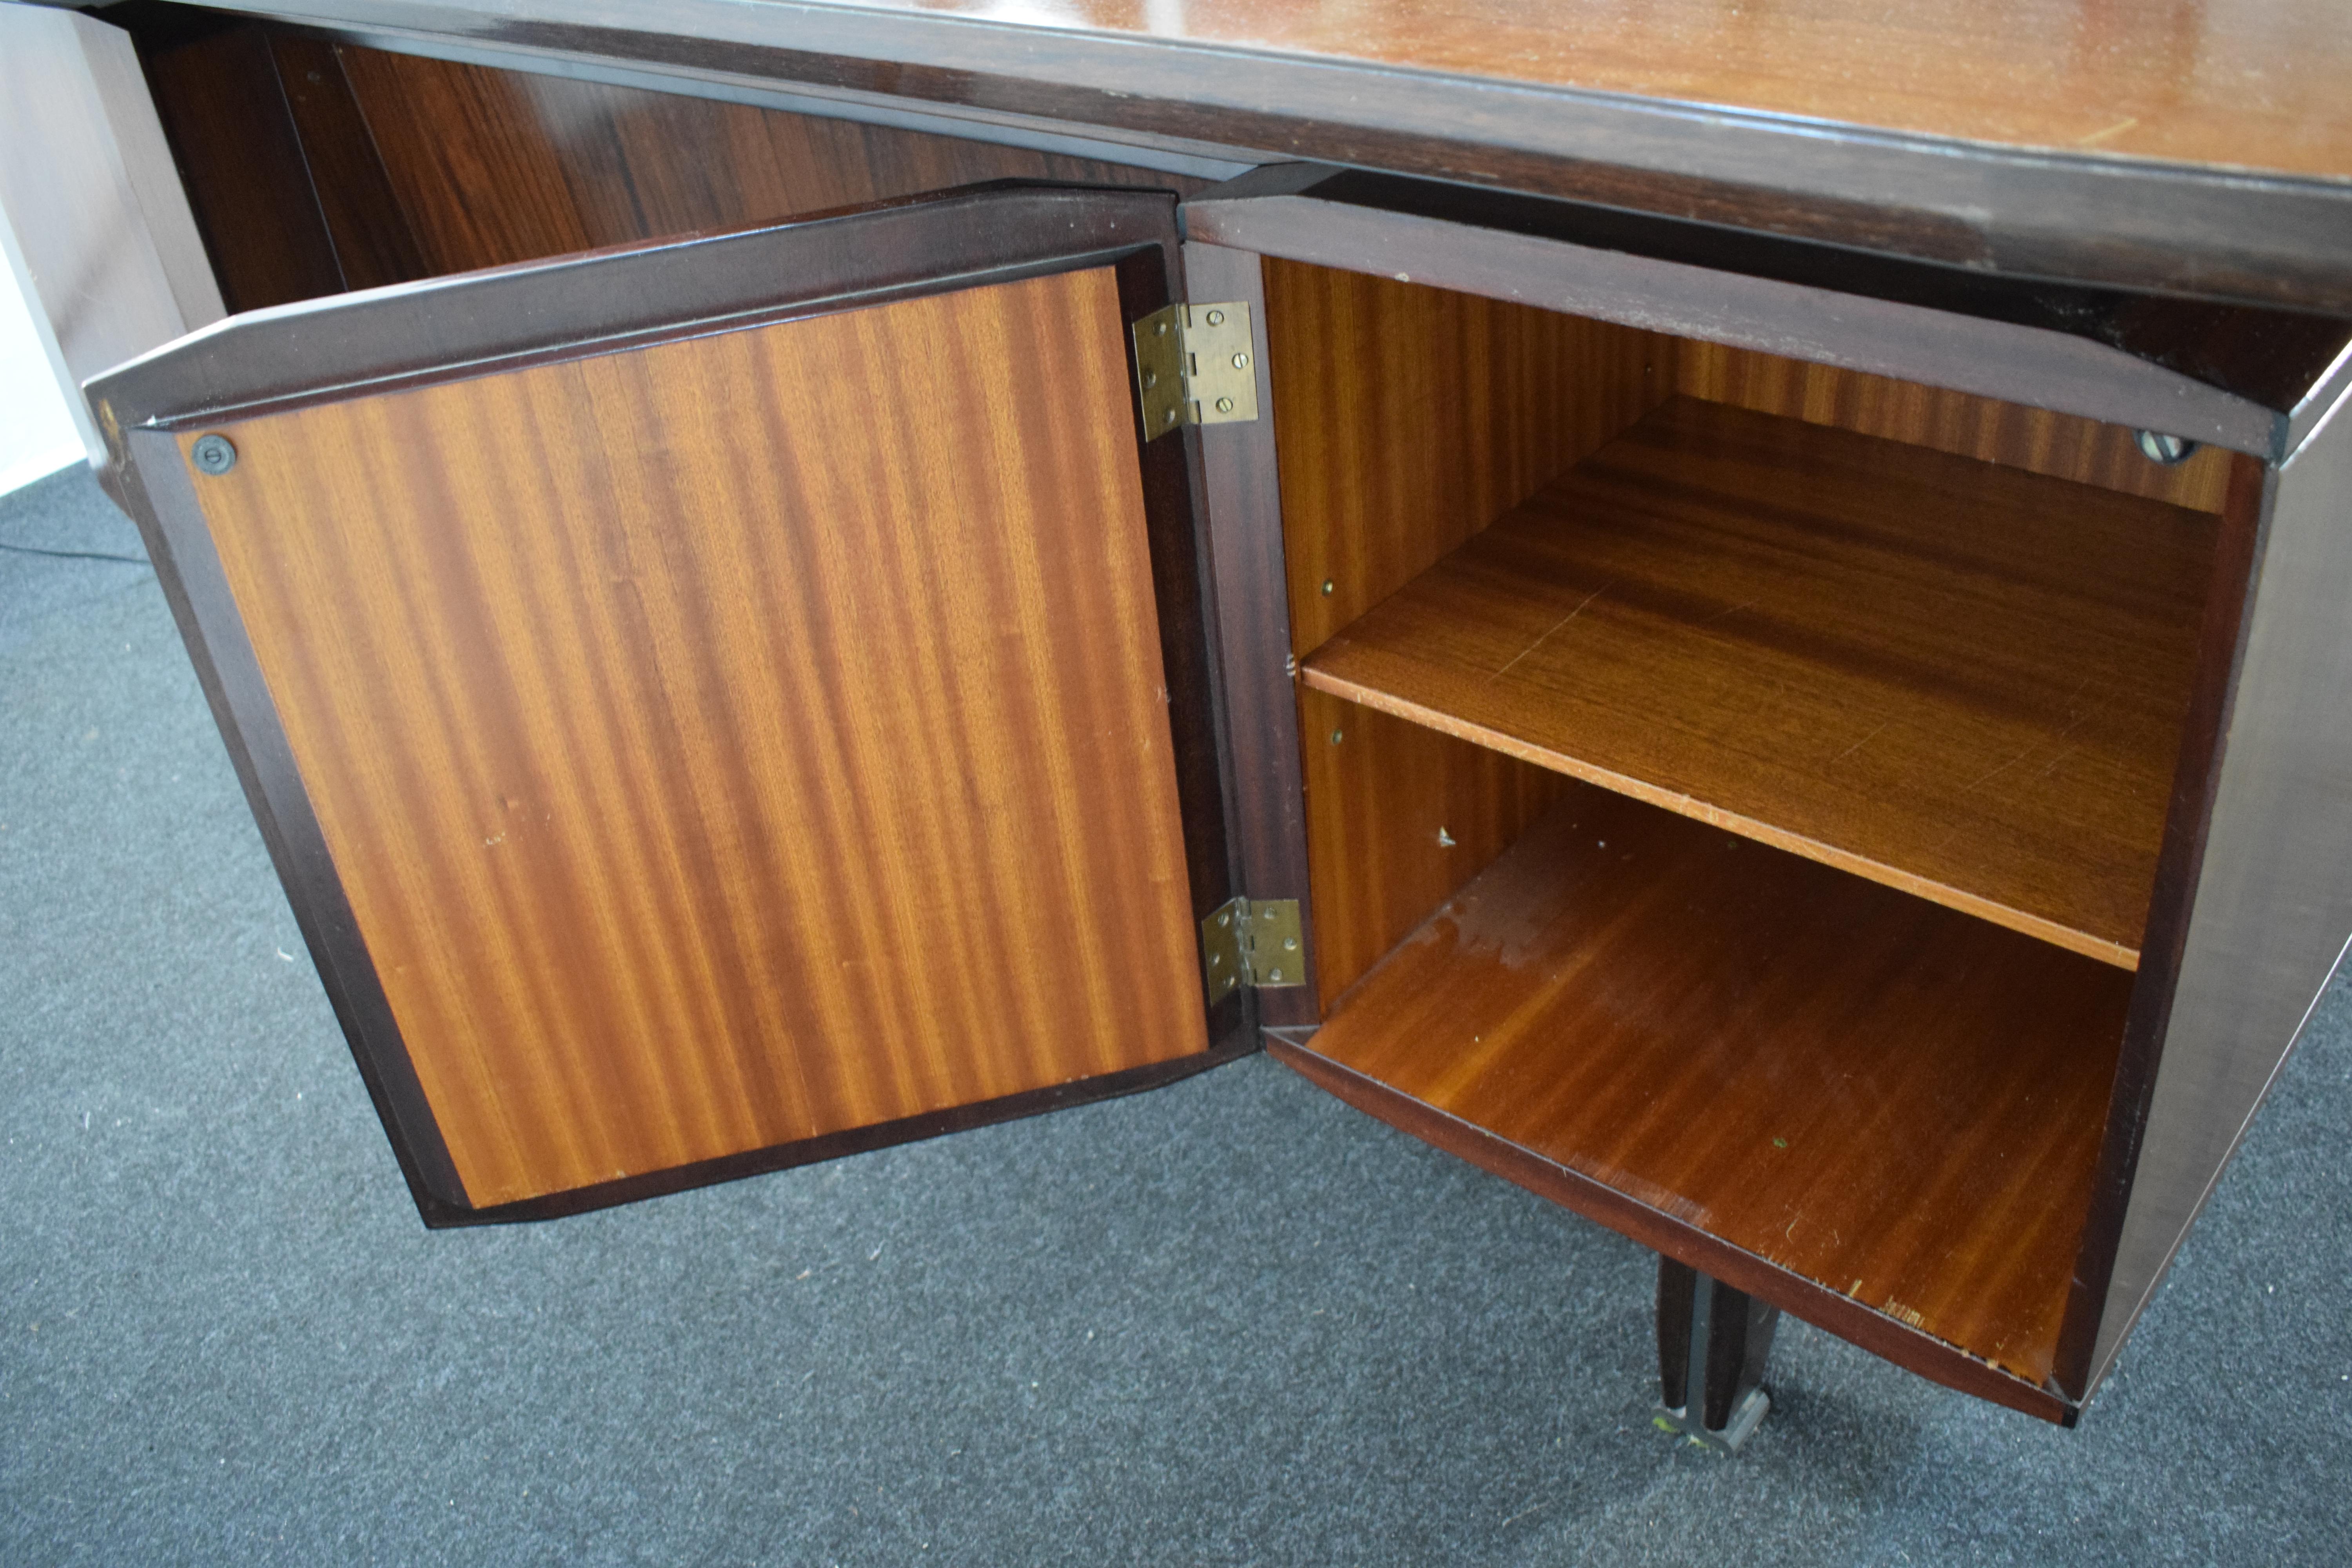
37 434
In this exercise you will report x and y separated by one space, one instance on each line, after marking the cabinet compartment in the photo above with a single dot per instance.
1727 818
1958 679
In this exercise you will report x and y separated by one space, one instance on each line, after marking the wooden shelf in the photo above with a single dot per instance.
1964 680
1894 1100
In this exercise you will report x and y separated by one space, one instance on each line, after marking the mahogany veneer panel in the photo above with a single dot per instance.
1378 799
1410 418
1886 1097
699 730
2059 444
1958 679
497 166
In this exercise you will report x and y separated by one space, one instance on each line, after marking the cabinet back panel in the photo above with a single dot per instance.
2059 444
695 738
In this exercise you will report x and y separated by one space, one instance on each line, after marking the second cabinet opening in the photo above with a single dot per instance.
1737 782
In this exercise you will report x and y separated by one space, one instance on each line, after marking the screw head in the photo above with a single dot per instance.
1158 329
213 455
1276 977
2159 447
1225 405
1151 378
1216 318
1328 588
1338 736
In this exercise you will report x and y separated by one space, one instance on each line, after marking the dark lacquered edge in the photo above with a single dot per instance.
1863 313
2135 223
452 328
834 1146
152 483
2270 358
1244 504
1841 1315
2221 646
2273 902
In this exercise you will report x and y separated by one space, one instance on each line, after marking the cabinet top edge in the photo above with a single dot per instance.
2212 157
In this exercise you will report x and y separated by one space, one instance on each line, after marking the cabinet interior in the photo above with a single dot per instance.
1737 781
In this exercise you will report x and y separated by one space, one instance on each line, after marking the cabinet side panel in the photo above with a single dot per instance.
737 741
2273 901
1411 417
1402 816
2063 446
496 166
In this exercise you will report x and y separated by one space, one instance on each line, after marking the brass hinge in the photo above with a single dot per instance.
1195 365
1252 941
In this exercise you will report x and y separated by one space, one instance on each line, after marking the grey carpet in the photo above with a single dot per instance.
1231 1322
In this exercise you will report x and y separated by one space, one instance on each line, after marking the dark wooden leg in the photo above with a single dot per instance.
1727 1336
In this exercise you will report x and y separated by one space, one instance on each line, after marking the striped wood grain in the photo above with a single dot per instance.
736 740
1895 1101
1410 417
495 166
1961 680
1398 816
2036 439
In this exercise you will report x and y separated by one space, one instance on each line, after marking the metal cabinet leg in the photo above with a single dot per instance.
1713 1342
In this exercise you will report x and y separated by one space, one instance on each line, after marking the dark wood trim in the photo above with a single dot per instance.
2225 234
151 482
2271 358
2194 370
1183 590
2272 903
1244 503
452 328
832 1146
2220 649
1849 1320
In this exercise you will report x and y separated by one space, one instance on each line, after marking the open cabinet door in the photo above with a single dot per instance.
717 704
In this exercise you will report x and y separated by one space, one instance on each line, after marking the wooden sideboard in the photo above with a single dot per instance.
1748 640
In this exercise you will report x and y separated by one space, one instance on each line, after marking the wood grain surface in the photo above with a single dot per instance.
496 166
1956 678
1409 418
1889 1099
1398 816
2036 439
704 733
2253 83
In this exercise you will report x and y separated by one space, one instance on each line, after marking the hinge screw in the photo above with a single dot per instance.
1216 318
1225 405
214 455
1151 378
1241 361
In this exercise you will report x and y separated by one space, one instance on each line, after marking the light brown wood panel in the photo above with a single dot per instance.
1889 1099
1409 418
2034 439
702 734
1959 679
497 166
1379 791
